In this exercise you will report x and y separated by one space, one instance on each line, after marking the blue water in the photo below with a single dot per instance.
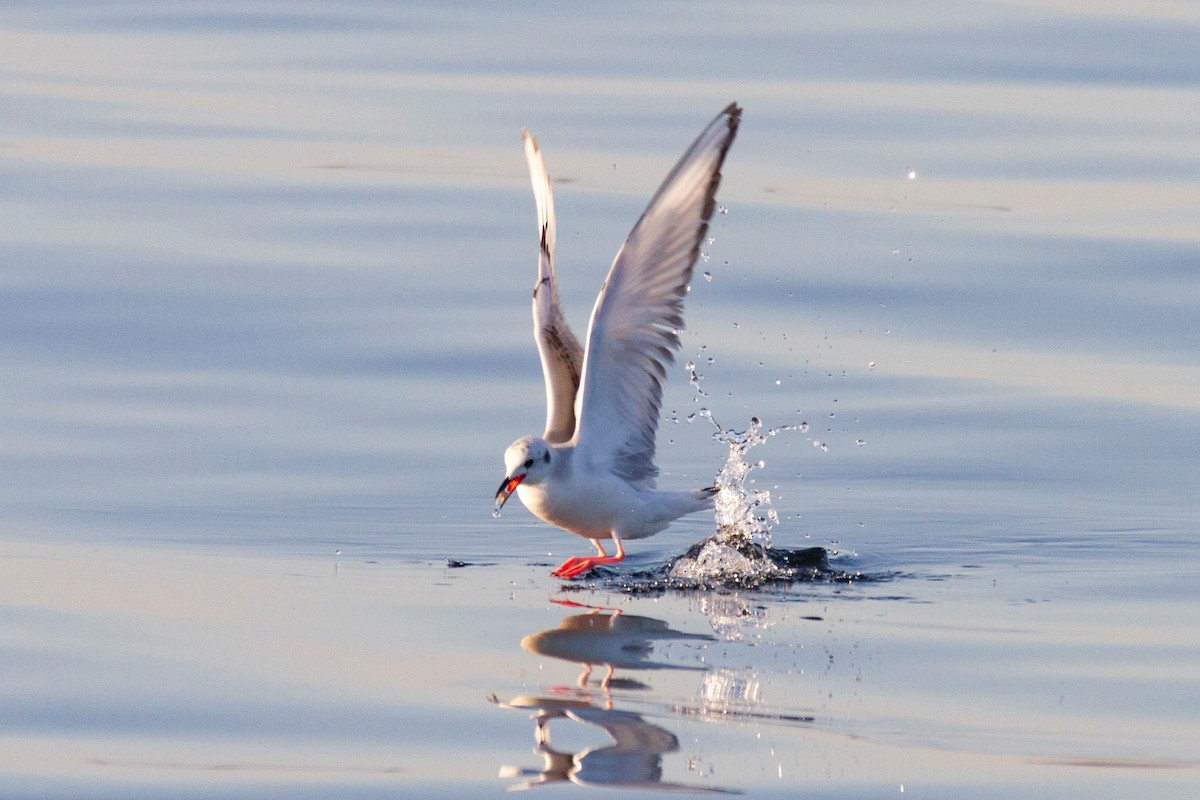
264 335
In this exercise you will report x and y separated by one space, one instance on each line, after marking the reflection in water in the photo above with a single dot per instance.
609 638
727 691
612 640
733 617
632 760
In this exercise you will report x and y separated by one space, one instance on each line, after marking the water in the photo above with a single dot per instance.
264 280
739 553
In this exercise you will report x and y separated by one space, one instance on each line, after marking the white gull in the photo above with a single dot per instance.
592 472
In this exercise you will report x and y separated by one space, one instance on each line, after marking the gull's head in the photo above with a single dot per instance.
526 460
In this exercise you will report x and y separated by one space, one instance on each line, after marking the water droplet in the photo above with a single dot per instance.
704 256
710 240
860 442
722 210
912 174
870 365
708 277
689 365
737 325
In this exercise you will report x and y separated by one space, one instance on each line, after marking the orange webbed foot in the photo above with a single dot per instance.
577 565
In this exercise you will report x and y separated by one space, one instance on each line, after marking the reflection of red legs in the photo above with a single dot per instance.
562 601
582 682
608 678
577 565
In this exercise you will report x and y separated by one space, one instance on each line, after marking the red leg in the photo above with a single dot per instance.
577 565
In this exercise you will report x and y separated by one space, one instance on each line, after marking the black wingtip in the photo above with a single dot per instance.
734 112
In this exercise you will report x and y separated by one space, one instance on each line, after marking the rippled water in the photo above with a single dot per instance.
264 334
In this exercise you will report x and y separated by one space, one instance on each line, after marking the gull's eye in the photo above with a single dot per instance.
528 463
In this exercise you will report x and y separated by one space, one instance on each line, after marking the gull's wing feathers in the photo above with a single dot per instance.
562 356
635 324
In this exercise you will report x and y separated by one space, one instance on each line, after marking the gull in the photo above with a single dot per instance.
592 471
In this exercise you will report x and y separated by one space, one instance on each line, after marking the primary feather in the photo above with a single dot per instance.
635 325
562 356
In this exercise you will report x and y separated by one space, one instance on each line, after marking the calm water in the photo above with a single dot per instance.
264 279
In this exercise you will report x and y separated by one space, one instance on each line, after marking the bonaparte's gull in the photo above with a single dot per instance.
592 472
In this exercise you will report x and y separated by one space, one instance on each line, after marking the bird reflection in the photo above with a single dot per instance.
612 640
632 760
601 637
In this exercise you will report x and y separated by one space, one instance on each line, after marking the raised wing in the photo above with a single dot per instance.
562 356
635 324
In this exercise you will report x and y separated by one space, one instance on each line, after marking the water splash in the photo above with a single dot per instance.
743 514
694 378
740 552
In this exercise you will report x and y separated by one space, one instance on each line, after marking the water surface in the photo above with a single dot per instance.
264 334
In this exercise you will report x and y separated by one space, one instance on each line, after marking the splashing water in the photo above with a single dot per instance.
739 553
739 521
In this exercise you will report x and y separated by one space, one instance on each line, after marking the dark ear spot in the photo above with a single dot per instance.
546 457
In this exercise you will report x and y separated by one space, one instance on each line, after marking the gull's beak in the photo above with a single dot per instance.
507 487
